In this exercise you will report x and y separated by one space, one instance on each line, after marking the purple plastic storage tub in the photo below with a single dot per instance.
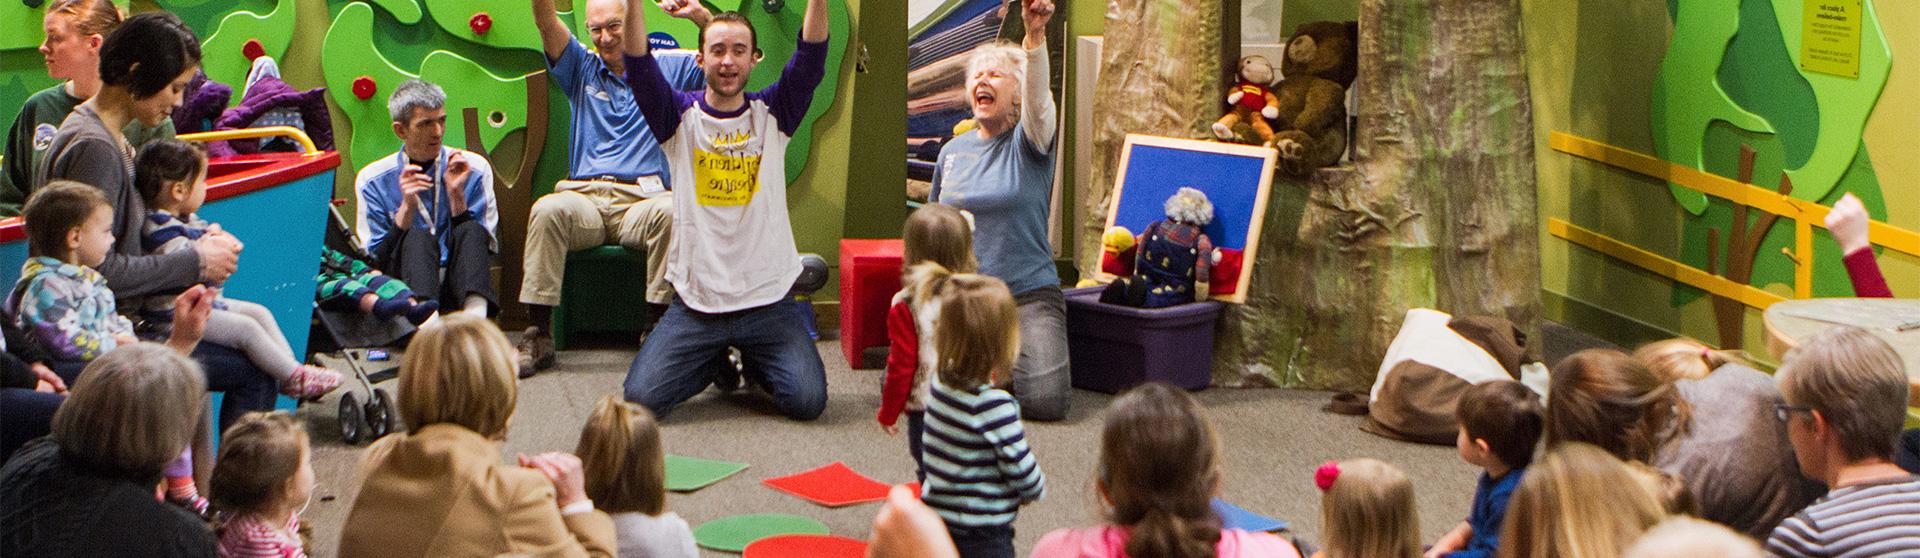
1117 347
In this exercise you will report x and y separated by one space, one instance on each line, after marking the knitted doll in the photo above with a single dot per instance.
1173 260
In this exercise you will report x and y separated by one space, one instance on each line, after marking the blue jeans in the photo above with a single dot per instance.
1907 452
687 350
245 387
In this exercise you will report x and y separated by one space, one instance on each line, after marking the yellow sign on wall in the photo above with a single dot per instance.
1830 37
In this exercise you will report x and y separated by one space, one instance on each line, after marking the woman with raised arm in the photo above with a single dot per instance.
1002 172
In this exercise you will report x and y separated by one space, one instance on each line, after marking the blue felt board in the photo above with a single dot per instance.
1232 182
1235 517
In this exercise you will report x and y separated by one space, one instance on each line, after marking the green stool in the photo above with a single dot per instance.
605 290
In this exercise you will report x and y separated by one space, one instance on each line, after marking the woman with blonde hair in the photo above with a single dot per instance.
1367 511
1577 501
1735 460
440 488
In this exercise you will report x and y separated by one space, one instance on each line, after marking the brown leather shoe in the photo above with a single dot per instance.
536 352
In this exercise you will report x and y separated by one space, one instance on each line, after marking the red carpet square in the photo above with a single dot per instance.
832 486
806 546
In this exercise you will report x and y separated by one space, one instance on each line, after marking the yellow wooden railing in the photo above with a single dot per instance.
306 143
1805 215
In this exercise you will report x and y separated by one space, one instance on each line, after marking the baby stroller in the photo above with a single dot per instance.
360 340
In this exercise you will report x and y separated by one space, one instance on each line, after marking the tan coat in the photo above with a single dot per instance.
443 491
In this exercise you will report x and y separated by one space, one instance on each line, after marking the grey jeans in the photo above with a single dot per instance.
1041 379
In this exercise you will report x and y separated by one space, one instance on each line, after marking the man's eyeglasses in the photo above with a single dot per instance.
1783 411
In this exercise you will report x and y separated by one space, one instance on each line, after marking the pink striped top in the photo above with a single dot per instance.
249 537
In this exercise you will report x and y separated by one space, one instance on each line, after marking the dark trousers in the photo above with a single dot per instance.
983 542
917 423
413 256
1907 453
25 414
245 387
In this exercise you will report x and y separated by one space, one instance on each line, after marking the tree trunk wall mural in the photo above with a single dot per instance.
1159 74
1437 210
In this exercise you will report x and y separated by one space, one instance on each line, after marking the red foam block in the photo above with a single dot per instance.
806 546
832 486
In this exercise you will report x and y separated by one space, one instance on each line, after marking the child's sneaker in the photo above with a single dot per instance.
309 382
197 504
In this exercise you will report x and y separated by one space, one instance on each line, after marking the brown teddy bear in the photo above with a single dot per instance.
1251 101
1311 125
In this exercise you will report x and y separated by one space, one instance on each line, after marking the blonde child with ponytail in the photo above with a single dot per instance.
624 462
1159 470
1366 511
1687 359
939 243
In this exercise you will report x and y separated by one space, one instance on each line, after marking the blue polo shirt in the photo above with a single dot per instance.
610 136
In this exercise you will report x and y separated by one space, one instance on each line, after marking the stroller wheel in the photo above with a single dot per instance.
353 419
381 417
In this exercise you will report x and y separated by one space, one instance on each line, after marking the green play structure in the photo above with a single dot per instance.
482 51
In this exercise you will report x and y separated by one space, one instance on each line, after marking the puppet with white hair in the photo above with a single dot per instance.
1173 258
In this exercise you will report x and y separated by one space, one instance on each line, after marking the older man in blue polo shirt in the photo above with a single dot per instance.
616 192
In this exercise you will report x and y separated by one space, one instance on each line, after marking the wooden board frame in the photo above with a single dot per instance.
1255 220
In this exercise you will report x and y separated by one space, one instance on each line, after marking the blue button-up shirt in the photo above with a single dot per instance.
610 136
378 188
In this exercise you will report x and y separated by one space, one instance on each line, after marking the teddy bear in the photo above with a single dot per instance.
1172 259
1320 64
1251 100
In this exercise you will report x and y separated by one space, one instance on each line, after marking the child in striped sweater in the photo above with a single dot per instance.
979 469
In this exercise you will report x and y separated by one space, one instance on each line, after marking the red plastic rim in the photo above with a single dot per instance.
233 176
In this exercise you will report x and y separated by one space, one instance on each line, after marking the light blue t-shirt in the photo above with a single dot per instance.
1007 183
610 136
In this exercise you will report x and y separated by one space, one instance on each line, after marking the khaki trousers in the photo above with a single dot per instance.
582 215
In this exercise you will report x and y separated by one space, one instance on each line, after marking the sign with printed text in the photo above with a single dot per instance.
1830 37
720 179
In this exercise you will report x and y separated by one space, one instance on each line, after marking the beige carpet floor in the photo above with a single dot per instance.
1273 441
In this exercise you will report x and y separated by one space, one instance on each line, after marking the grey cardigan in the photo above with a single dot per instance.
1735 457
85 151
